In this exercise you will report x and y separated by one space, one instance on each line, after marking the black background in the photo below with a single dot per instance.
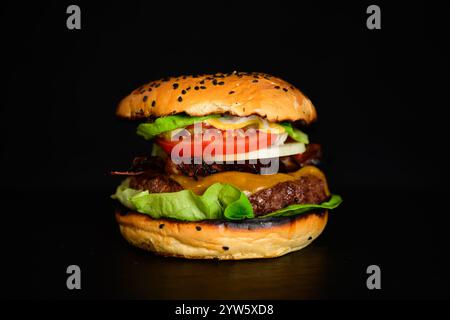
381 96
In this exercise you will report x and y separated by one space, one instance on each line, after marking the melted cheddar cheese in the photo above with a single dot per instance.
233 123
247 182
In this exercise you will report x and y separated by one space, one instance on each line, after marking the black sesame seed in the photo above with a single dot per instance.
285 90
202 82
225 248
231 92
149 89
214 82
184 77
202 87
145 98
310 238
221 83
198 228
196 87
292 87
256 77
180 99
175 85
153 103
255 81
183 91
188 88
161 225
157 85
277 87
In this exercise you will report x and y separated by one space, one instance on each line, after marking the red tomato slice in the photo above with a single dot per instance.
232 145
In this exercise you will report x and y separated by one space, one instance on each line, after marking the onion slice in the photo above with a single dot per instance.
272 152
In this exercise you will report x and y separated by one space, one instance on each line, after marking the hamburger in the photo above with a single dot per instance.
231 173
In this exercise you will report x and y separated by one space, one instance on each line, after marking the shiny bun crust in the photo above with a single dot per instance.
223 240
238 94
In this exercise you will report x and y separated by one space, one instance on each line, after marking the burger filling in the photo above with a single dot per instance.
229 173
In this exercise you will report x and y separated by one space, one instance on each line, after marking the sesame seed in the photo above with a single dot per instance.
202 87
221 83
157 85
202 82
225 248
277 87
214 82
153 103
175 85
188 88
231 92
149 89
183 91
310 238
196 87
254 81
180 99
161 225
198 228
285 90
145 98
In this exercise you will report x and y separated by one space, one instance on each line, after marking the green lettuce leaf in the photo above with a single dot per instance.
236 204
169 123
124 193
217 202
294 133
295 209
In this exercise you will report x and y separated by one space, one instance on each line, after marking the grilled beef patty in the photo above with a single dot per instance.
307 189
154 183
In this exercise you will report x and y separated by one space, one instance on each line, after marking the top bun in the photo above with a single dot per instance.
237 93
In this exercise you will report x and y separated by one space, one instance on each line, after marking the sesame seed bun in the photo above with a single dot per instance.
220 239
238 94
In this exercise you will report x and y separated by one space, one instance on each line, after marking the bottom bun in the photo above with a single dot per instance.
220 239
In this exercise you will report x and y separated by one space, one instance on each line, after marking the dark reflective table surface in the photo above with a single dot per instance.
403 235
